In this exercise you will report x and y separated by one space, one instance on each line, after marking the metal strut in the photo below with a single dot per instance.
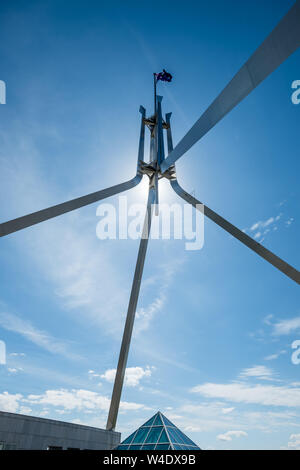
45 214
284 267
155 125
283 41
40 216
121 368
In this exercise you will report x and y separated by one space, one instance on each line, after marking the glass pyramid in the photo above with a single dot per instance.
158 433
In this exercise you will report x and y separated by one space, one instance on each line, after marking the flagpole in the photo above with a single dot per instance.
155 143
154 81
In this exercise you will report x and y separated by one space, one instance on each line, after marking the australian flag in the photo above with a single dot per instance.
164 76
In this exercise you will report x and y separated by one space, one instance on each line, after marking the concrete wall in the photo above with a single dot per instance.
27 432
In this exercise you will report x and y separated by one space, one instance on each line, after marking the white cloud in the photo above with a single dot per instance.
144 315
230 434
274 356
10 402
289 221
267 319
25 410
93 374
261 227
61 412
268 222
225 411
63 401
71 399
265 223
294 442
204 417
79 400
257 394
133 375
254 226
261 372
295 436
271 357
286 327
192 429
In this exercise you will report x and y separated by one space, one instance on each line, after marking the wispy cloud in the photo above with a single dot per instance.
269 395
261 228
207 416
264 223
286 327
227 436
289 221
225 411
79 270
261 372
12 322
14 370
274 356
167 272
276 328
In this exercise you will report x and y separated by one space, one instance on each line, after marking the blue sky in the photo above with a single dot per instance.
212 342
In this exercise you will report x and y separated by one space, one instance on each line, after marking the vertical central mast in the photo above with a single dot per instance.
154 147
157 155
154 80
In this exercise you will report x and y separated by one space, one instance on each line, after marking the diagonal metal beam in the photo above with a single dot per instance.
277 47
284 267
230 228
121 368
45 214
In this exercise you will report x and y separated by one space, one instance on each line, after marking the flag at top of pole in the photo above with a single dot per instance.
164 76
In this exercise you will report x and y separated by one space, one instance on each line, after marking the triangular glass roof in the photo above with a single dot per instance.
158 433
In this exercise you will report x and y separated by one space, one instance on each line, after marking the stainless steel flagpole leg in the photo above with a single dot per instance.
28 220
262 251
119 380
284 267
160 148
